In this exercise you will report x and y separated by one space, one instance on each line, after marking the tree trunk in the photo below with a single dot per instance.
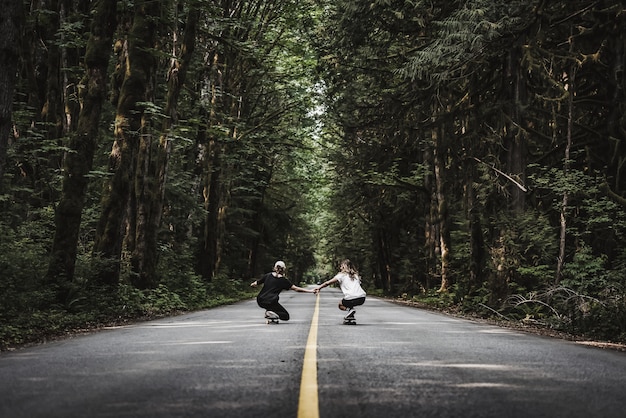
431 241
132 134
384 262
223 116
258 225
153 160
207 259
52 110
208 256
151 176
176 79
442 206
615 185
566 165
477 242
83 143
11 26
515 137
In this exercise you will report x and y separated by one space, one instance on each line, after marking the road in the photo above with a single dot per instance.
396 362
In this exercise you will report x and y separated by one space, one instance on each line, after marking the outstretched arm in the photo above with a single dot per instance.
254 283
301 289
326 283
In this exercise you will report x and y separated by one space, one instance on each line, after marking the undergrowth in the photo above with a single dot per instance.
557 308
96 306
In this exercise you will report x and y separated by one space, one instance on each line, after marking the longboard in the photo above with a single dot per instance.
271 318
349 319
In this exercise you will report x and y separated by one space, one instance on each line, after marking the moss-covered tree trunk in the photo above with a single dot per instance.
152 168
132 130
11 26
83 142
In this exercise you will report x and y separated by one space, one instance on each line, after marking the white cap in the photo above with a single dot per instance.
280 264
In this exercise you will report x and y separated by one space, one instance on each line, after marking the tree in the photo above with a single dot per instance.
83 144
123 196
11 24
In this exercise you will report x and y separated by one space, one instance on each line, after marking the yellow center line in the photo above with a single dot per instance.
308 405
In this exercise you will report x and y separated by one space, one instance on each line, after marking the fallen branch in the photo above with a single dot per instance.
518 184
494 311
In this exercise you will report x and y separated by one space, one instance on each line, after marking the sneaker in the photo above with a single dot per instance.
271 315
350 314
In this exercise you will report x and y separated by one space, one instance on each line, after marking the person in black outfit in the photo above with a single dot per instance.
274 283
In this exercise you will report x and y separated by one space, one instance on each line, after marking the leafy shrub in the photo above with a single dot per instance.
586 273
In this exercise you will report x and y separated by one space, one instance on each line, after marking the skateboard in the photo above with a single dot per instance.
349 320
271 317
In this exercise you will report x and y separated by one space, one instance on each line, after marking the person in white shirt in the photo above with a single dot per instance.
350 284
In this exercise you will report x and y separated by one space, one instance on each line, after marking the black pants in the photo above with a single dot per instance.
277 308
351 303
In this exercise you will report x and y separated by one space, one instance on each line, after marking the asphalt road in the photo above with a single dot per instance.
396 362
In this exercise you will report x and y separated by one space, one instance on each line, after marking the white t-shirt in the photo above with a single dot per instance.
351 288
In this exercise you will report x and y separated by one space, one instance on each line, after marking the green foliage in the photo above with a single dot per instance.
22 265
24 322
462 37
162 300
30 311
586 273
522 256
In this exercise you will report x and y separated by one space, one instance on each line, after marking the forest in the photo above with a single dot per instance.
156 156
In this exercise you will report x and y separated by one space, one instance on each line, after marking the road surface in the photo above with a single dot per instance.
396 362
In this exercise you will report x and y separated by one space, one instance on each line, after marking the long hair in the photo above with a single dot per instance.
347 267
